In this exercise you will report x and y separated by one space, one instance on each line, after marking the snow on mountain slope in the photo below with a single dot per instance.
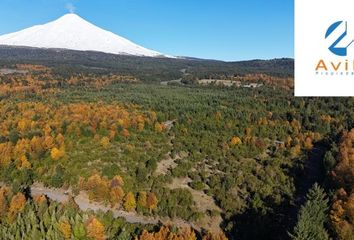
72 32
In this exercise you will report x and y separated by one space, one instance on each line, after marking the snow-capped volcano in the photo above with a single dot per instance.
74 33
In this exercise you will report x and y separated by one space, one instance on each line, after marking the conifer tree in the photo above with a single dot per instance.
312 216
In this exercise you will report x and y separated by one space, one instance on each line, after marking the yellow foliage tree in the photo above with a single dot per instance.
56 153
36 144
105 142
158 127
116 195
165 233
142 199
6 150
308 143
47 130
48 143
22 147
129 202
17 204
97 187
65 229
95 229
295 151
3 203
24 163
23 125
235 141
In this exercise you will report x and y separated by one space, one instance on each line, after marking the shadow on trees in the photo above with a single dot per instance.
275 224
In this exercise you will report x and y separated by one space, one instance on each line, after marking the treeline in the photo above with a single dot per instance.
68 63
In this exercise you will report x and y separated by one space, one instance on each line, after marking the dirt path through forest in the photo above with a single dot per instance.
60 195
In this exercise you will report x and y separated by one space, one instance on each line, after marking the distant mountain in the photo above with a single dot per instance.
74 33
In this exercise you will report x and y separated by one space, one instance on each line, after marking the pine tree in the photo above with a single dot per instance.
312 216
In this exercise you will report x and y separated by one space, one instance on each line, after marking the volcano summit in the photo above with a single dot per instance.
72 32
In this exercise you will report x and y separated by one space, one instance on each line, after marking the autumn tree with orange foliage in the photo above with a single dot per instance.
41 80
6 150
116 195
235 141
23 163
125 133
342 210
56 153
101 189
16 205
151 201
165 234
95 229
48 142
97 187
40 199
65 229
47 121
4 191
214 236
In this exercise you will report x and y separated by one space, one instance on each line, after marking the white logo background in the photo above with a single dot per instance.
312 19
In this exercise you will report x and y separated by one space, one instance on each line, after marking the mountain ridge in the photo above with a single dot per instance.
149 69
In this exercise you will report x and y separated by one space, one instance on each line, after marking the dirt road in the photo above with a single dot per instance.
60 195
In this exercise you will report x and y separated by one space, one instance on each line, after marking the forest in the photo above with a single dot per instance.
192 161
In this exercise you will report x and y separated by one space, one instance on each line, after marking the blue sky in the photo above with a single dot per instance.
213 29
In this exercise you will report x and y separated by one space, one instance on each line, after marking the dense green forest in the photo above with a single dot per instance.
147 69
235 162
